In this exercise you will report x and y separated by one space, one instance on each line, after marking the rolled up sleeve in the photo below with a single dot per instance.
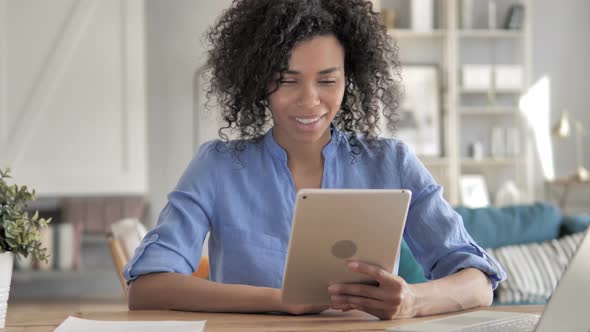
434 232
175 244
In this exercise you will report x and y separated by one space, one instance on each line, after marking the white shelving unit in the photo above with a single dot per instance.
86 284
468 115
481 33
490 92
489 162
488 111
435 162
408 33
95 278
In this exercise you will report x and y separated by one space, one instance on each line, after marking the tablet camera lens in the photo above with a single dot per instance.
344 249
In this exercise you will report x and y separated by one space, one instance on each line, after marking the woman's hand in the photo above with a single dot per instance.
392 298
303 309
296 309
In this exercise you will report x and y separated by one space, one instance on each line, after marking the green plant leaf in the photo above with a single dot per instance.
19 233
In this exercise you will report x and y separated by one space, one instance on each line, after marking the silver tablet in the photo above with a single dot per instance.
332 226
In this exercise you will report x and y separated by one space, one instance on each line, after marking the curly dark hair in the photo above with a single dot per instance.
252 41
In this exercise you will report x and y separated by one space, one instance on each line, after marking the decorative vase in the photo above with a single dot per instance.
422 15
6 263
508 194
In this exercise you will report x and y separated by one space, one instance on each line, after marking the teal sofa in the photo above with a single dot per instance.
493 227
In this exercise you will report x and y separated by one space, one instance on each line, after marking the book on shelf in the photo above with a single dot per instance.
46 238
94 221
77 241
64 247
77 236
62 243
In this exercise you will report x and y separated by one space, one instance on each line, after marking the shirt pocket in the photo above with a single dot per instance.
252 258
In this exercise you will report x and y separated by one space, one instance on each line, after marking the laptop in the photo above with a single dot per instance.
331 227
568 308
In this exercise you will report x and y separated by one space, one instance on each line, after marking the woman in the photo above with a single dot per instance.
322 73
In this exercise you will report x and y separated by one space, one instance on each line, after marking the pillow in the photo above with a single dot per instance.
533 269
409 269
575 224
493 227
130 232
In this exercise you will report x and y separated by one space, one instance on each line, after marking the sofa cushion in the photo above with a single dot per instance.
575 224
409 269
493 227
533 269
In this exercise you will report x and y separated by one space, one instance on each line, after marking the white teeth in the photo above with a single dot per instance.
307 121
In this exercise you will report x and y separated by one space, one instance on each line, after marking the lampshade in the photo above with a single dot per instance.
563 127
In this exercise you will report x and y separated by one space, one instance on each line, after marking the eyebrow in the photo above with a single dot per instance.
321 72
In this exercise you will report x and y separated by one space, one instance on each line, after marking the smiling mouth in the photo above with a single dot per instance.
308 120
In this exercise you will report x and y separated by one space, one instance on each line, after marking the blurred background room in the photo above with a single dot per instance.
101 109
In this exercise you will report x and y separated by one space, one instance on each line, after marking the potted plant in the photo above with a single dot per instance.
19 234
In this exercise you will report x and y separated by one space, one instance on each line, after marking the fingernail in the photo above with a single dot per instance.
333 288
353 265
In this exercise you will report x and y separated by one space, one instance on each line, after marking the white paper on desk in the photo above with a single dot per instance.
72 324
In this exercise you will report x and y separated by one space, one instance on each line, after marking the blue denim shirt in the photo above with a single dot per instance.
246 203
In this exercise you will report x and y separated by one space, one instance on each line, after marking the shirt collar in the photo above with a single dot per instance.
277 151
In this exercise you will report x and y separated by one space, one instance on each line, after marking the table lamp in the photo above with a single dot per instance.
562 129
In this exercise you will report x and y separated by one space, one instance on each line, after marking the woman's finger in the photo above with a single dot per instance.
382 276
359 301
381 314
348 308
359 290
340 306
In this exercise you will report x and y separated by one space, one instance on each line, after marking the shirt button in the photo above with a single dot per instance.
154 237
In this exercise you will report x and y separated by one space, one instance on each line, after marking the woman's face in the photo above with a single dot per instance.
310 92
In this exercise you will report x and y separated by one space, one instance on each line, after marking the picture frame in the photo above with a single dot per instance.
419 121
474 191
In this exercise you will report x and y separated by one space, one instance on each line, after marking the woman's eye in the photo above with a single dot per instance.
328 82
287 82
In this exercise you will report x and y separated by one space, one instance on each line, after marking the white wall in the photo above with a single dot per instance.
175 50
561 51
72 99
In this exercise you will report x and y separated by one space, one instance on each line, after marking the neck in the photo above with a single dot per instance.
304 156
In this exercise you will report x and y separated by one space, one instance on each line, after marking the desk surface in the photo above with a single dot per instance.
45 318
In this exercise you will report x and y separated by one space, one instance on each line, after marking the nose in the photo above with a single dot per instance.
309 96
